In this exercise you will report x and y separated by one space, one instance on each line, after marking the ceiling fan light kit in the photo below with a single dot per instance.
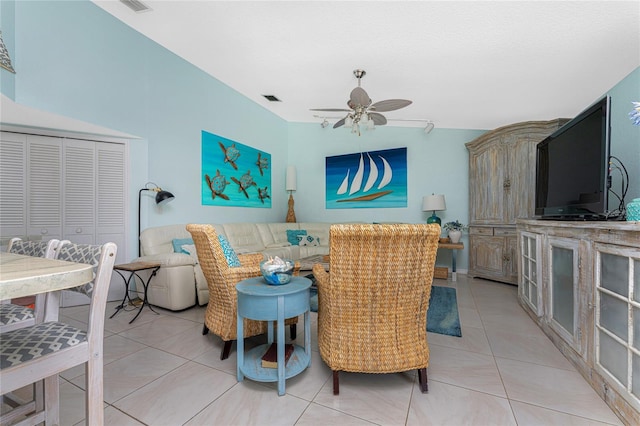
363 114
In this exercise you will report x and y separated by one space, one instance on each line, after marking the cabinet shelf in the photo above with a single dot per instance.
252 365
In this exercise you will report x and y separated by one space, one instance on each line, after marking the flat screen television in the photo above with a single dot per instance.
572 167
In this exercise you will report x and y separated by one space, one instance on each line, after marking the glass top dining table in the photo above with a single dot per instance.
22 276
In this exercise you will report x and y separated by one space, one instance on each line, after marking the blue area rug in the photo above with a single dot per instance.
442 316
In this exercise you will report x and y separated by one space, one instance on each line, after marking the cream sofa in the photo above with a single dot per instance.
180 284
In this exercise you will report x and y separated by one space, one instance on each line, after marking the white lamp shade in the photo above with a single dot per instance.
291 181
433 203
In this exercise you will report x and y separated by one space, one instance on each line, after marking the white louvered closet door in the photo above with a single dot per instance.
94 201
79 191
44 186
65 188
110 196
13 185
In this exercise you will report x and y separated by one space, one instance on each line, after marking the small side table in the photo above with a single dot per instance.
259 301
454 247
134 268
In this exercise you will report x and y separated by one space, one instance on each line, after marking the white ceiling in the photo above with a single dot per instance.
464 64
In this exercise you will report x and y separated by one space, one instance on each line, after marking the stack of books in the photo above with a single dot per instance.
270 357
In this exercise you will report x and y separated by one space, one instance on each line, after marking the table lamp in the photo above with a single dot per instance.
433 203
291 185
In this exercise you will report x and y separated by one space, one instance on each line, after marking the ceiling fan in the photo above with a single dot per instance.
362 111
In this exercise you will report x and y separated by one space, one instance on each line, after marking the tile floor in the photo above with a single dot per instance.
161 370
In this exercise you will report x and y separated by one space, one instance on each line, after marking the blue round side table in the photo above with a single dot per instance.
259 301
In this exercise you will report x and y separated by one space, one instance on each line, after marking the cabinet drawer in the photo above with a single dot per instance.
478 230
507 232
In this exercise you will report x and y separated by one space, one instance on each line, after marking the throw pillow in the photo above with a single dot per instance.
179 242
229 252
293 234
309 240
190 249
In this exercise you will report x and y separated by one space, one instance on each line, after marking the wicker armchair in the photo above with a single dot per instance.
372 306
221 314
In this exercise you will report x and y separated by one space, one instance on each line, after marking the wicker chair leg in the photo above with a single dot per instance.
336 384
205 330
422 377
293 331
226 349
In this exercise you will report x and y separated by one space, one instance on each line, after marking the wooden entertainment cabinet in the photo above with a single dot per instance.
580 282
502 167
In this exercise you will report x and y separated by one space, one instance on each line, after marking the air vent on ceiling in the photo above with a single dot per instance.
136 5
271 98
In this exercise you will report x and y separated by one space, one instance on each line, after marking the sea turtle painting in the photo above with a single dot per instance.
231 154
263 193
262 163
217 185
245 182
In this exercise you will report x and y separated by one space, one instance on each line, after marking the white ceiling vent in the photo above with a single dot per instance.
136 5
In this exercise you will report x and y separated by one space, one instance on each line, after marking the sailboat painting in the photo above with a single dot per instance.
373 179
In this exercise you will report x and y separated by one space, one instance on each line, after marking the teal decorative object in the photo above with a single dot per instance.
434 219
277 271
232 258
633 210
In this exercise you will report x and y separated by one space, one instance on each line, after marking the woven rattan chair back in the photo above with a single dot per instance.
220 315
372 306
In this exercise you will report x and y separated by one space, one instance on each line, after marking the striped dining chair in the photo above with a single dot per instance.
42 351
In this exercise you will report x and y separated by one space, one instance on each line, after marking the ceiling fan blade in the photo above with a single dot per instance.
390 105
378 119
339 123
359 97
330 109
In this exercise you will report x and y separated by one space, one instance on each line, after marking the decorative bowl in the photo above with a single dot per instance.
277 272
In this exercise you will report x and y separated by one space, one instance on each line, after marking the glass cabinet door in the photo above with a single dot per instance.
618 317
563 289
531 271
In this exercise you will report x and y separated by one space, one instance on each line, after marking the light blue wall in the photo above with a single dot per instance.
625 137
76 60
436 163
7 25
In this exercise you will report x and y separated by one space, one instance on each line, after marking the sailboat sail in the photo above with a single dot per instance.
344 185
373 174
357 178
387 175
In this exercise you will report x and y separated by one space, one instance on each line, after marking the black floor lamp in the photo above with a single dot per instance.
162 197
